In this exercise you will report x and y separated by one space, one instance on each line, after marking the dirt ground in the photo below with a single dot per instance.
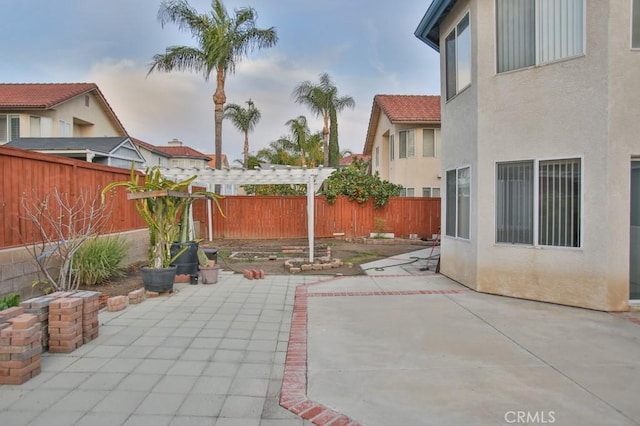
270 256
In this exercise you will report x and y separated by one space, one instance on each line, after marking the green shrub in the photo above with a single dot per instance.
9 301
100 259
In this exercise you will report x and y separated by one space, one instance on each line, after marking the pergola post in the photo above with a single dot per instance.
311 215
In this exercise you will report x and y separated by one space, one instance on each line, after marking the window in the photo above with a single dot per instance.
408 192
407 146
536 32
9 128
457 47
635 24
86 100
65 129
377 156
429 143
39 126
457 202
556 199
431 192
391 147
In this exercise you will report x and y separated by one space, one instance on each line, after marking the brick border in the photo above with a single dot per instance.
293 394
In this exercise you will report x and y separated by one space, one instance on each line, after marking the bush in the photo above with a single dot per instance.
9 301
99 259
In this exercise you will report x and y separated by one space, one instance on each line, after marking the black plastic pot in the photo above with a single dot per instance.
187 263
159 280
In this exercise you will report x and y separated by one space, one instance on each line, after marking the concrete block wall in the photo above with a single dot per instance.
18 270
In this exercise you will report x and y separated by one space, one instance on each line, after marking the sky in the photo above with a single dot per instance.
367 47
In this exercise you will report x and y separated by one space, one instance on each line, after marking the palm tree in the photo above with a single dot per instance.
245 120
323 100
300 132
281 151
223 40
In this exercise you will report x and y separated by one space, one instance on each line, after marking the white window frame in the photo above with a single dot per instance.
455 227
435 143
536 163
9 128
407 147
635 24
454 76
430 191
537 38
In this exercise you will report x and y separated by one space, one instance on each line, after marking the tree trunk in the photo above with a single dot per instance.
246 150
219 99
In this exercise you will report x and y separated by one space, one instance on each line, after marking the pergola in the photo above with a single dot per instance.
208 177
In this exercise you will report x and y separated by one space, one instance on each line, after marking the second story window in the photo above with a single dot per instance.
407 146
391 147
9 128
536 32
458 58
429 143
635 25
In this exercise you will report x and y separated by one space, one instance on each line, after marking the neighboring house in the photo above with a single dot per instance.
212 162
55 110
184 156
347 160
117 151
403 142
152 154
541 118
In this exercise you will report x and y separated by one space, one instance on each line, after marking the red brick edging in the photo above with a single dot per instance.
293 394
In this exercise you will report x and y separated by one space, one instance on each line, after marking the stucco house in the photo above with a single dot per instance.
55 110
403 142
541 164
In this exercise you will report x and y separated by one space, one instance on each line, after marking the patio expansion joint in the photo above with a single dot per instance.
293 393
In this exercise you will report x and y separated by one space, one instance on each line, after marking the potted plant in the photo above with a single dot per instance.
208 268
161 203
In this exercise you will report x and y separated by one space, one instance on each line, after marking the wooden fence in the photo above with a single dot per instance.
30 174
272 217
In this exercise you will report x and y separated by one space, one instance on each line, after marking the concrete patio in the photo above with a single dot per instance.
400 346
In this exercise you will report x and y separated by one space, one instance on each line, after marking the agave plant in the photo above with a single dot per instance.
164 206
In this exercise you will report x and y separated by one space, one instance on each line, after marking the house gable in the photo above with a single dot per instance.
58 109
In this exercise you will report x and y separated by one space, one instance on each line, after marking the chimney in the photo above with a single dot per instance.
175 142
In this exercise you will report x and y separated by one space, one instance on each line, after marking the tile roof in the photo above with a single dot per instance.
345 161
40 95
182 151
401 109
410 107
212 163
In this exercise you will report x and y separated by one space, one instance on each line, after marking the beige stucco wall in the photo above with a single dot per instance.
459 130
585 107
412 172
94 114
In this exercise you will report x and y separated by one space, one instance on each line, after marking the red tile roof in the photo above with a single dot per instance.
212 163
413 108
345 161
401 109
40 95
182 151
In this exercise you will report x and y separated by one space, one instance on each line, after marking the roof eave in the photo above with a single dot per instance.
428 30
